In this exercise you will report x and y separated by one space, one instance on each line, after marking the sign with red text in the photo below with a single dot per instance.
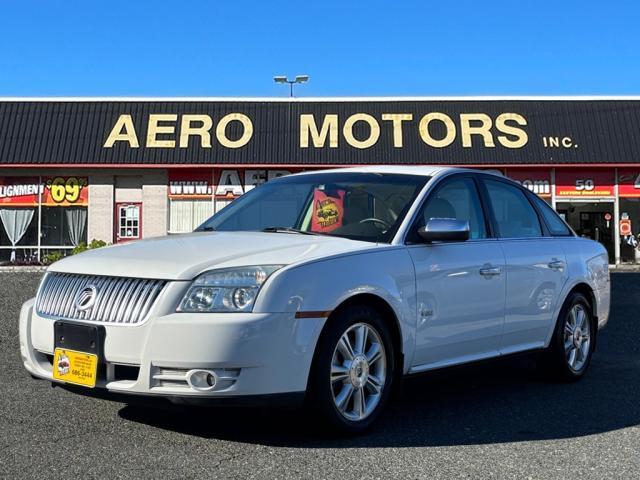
328 210
585 183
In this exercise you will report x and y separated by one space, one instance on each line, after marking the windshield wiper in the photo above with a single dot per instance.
205 229
287 230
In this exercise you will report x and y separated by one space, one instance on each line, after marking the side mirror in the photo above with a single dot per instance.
444 230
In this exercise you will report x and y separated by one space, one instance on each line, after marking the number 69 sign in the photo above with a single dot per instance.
66 191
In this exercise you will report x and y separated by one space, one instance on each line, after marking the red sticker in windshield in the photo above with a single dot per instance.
328 210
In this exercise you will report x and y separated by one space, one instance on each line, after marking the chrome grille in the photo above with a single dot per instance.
117 300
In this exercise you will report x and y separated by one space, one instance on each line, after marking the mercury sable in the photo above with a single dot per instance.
328 287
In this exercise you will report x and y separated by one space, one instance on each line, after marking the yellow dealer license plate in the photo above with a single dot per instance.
78 368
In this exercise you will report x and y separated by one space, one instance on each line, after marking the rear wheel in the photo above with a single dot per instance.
353 369
569 353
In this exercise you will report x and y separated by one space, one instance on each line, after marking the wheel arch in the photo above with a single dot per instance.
587 291
389 316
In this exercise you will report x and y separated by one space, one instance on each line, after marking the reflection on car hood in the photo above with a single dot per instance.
182 257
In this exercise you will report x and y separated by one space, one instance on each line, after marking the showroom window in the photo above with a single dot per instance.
41 215
187 215
63 226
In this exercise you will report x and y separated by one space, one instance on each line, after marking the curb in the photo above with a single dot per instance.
23 269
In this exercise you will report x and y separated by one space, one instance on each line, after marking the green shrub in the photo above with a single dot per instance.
82 246
97 244
51 257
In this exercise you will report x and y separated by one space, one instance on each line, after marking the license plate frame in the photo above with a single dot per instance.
77 352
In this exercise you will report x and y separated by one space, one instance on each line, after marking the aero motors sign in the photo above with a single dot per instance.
359 130
585 183
268 133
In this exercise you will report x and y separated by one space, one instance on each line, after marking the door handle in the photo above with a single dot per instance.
556 265
490 271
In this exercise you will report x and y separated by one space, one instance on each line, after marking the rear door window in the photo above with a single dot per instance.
515 216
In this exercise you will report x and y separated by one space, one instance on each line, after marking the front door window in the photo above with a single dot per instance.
128 226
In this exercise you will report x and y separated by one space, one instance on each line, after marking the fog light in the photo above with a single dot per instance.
202 380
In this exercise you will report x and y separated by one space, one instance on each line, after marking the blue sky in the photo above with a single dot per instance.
233 48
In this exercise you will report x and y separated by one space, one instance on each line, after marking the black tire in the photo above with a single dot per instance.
321 389
554 362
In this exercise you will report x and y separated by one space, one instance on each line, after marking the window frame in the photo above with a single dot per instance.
534 200
544 231
410 234
116 232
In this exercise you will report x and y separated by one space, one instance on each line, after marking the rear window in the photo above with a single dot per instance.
555 224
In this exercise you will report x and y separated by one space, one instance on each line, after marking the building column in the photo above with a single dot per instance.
155 203
100 211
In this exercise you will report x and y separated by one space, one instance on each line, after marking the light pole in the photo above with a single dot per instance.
298 79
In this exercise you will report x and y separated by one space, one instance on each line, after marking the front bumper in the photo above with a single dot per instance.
251 354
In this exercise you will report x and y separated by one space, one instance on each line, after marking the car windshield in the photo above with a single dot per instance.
359 206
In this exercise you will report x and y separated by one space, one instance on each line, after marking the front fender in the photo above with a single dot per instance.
320 286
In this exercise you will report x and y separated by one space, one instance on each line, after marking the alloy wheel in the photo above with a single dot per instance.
577 337
358 372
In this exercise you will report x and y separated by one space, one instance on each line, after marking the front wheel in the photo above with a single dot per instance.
569 353
353 369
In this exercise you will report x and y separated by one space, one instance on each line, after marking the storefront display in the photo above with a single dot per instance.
629 221
190 199
41 213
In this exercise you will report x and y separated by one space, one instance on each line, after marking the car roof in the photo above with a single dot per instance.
422 170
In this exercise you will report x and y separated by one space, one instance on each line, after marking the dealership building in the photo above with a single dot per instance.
73 170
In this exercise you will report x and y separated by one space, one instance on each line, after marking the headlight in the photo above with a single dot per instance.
229 290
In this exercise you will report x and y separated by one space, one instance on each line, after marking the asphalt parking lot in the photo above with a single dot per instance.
498 420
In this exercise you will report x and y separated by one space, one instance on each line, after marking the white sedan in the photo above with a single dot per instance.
329 287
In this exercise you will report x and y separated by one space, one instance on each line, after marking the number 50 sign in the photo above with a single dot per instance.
584 183
61 191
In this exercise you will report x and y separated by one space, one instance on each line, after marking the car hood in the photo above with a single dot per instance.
183 257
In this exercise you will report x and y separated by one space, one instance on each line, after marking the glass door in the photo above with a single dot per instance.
592 220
